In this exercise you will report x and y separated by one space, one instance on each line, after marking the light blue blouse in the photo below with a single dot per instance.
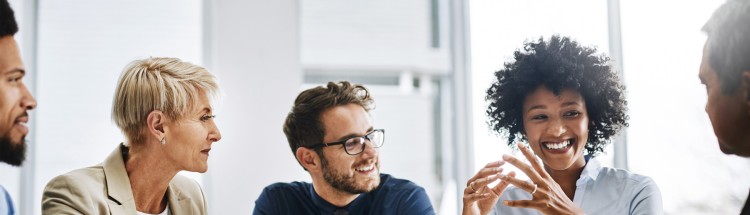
600 190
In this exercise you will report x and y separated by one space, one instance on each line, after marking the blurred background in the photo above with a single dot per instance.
428 64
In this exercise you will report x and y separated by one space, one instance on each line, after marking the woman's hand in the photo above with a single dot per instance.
547 196
478 197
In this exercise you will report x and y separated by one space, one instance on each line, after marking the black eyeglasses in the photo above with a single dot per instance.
356 145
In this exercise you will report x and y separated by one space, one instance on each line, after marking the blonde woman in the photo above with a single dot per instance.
162 106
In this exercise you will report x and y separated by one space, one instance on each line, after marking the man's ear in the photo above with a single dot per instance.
745 89
155 123
308 158
745 85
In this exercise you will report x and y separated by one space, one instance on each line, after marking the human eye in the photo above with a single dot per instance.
370 135
15 78
574 113
353 143
539 117
205 118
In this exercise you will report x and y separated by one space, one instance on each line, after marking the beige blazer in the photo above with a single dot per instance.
105 189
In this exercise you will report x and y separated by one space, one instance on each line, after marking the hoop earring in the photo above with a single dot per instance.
164 140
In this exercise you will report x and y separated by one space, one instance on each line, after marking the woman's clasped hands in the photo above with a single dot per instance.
547 196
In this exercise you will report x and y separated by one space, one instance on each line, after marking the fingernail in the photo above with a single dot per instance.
505 157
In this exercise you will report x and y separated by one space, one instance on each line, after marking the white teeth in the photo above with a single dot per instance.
365 168
558 145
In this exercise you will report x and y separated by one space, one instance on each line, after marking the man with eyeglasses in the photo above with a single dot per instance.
331 135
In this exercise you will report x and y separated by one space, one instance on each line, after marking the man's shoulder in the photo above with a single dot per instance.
392 187
389 182
292 190
296 186
401 196
291 194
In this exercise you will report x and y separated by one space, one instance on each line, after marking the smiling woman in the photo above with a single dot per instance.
566 102
162 107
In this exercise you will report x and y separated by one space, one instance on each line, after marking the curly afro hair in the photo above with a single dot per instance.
559 63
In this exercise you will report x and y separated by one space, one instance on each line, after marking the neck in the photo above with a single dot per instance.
332 195
149 174
567 178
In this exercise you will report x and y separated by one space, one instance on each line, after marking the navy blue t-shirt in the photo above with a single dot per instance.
393 196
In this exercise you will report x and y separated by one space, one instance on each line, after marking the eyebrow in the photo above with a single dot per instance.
570 103
14 70
206 110
536 107
354 135
565 104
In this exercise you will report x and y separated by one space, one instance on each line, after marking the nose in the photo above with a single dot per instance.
214 135
705 108
27 101
556 128
370 151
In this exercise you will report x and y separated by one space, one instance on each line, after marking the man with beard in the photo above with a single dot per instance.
725 71
331 135
15 100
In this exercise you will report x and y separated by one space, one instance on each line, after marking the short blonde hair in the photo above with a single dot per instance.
166 84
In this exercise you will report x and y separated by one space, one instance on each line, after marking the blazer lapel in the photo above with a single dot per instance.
178 202
118 185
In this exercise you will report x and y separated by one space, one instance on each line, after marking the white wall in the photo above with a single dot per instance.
254 48
385 34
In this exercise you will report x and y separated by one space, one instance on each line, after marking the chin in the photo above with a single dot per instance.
199 169
561 163
372 185
726 149
557 165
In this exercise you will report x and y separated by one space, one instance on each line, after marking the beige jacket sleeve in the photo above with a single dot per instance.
63 195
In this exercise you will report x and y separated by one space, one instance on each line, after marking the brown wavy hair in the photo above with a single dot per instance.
303 126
